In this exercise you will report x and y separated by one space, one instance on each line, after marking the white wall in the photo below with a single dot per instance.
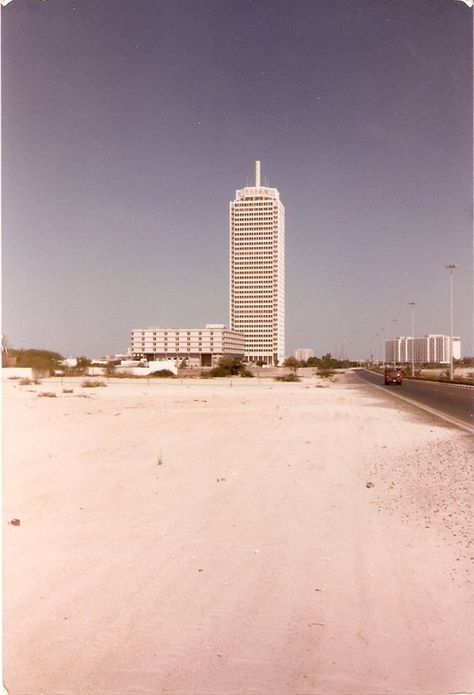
21 372
163 364
152 367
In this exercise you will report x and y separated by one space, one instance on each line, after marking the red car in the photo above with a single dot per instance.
393 375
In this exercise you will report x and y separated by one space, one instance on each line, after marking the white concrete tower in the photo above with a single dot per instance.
257 271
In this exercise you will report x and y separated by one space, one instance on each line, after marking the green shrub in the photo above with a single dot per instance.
325 373
291 363
163 374
228 366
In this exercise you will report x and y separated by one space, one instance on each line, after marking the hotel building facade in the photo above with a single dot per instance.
199 347
257 271
431 349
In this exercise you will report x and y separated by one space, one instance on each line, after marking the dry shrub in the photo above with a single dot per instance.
26 381
290 378
68 390
325 373
47 394
91 384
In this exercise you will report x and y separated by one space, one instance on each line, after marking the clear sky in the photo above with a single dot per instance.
128 125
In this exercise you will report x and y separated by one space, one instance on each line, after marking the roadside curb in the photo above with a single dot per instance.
448 418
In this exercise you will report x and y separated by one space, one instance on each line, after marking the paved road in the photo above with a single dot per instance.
452 401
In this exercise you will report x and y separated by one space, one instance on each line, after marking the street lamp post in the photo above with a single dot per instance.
412 307
395 343
451 268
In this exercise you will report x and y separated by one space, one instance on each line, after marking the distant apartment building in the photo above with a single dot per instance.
198 347
257 271
303 354
431 349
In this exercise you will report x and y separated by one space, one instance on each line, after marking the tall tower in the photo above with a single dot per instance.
257 271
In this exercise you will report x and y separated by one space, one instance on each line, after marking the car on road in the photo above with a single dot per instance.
393 374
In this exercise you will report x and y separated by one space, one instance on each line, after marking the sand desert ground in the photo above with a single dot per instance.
222 538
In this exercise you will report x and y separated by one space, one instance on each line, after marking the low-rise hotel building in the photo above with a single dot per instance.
198 347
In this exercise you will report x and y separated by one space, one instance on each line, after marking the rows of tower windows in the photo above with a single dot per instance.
258 256
247 202
253 281
241 250
268 237
241 266
255 277
255 244
243 246
248 212
255 270
255 235
252 223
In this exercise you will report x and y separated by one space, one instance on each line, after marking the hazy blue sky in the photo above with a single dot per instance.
128 125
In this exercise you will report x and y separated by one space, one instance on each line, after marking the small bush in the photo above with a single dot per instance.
223 371
27 382
325 373
47 394
90 384
219 372
288 378
163 374
123 375
68 390
228 366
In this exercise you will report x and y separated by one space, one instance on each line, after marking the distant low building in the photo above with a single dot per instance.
195 347
69 362
431 349
303 354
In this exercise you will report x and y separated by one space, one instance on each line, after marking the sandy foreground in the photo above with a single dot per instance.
219 538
